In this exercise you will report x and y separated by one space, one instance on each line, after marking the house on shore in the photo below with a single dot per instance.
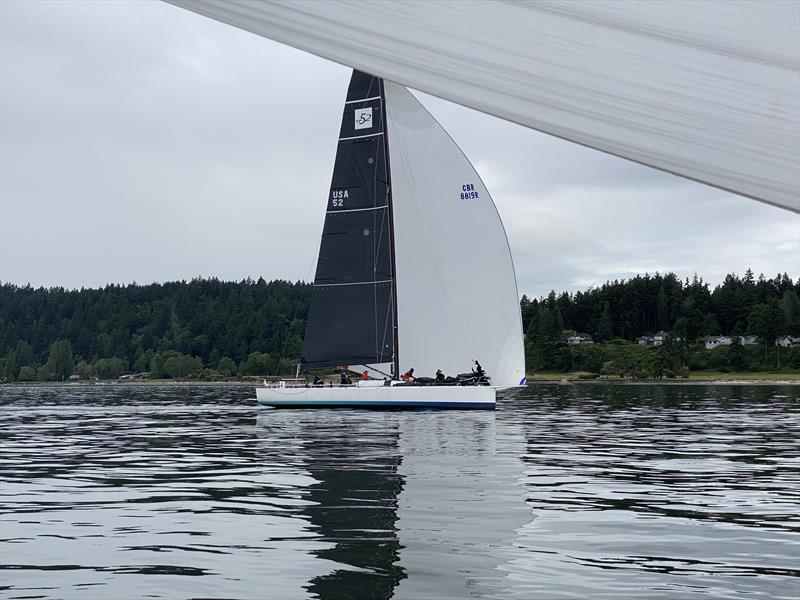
787 341
575 339
715 341
654 340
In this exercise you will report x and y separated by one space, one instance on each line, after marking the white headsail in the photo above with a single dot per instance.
709 89
457 297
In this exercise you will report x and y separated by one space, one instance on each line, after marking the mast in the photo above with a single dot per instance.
390 210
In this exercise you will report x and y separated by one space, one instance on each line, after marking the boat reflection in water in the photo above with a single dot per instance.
392 500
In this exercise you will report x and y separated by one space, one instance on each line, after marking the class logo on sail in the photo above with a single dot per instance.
363 118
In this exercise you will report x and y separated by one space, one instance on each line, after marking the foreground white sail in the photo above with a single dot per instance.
414 268
708 89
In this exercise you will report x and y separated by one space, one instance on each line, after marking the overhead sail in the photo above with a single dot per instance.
709 90
351 318
457 298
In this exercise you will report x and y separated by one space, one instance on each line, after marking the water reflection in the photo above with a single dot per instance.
462 506
396 493
352 504
682 490
567 492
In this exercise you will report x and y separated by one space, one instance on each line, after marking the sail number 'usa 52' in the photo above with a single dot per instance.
338 197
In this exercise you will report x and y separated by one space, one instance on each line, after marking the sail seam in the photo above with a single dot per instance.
358 137
349 210
353 283
363 99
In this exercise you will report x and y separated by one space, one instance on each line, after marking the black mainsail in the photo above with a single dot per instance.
352 314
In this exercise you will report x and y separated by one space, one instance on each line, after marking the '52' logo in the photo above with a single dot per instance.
363 118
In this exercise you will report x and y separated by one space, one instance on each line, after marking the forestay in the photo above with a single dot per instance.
709 90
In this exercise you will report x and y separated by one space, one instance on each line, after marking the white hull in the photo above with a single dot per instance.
405 397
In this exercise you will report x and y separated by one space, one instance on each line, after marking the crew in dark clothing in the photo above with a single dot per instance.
478 369
317 380
439 375
343 377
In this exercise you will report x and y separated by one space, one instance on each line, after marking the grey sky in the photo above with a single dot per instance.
140 142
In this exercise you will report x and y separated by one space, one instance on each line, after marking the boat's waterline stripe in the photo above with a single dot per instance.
355 283
358 137
363 100
349 210
358 403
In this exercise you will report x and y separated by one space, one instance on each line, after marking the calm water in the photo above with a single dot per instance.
583 491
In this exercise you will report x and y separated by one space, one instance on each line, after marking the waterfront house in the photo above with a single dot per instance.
660 338
575 339
787 341
715 341
655 340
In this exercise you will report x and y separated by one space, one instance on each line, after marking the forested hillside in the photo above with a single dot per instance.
625 310
649 303
173 329
209 328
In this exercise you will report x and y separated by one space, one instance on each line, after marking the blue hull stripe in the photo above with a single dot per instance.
374 404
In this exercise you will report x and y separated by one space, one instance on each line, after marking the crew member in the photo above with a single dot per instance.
364 375
408 375
439 375
478 370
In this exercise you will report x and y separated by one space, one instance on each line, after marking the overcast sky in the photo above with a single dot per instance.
141 142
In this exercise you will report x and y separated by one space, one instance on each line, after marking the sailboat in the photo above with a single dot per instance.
414 267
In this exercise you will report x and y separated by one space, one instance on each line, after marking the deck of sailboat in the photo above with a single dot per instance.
379 397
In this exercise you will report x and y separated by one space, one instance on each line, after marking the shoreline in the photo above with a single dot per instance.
666 382
697 378
544 379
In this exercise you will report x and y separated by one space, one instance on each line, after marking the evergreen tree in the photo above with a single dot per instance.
60 364
605 326
226 367
737 356
662 310
790 306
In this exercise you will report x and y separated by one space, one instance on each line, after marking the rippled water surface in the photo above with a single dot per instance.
574 491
